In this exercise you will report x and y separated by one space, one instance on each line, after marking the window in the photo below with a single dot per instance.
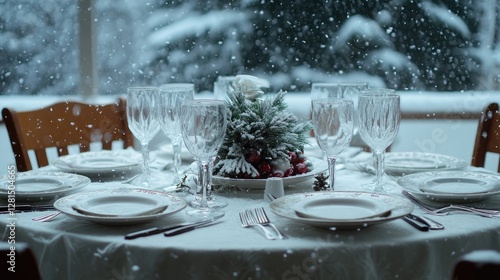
444 45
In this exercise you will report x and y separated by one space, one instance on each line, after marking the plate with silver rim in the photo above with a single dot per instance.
128 197
318 166
399 206
35 186
451 186
101 164
401 163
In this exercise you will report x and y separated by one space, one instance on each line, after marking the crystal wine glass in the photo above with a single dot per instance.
349 90
170 101
379 118
204 125
332 119
142 107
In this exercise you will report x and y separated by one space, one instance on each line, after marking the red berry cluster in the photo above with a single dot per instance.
294 165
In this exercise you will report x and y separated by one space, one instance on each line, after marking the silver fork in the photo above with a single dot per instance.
263 219
247 219
442 211
46 218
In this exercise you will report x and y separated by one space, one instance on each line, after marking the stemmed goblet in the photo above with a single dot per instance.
348 90
142 110
204 123
332 119
379 118
170 101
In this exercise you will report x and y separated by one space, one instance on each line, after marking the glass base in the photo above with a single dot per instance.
156 181
204 213
387 186
210 204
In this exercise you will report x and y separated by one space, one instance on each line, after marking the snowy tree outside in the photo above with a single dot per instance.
431 45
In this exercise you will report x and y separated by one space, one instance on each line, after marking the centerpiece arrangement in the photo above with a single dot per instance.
262 139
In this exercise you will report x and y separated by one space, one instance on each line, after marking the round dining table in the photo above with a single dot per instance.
69 248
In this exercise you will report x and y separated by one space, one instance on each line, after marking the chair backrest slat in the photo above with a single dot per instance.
64 124
487 136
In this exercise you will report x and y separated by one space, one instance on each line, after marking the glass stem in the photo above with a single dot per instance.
331 172
145 162
204 181
378 159
177 161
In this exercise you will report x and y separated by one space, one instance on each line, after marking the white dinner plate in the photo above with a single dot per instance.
123 205
102 164
34 186
341 208
120 206
451 186
411 162
318 166
285 207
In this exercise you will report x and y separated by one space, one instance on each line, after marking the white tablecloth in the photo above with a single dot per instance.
72 249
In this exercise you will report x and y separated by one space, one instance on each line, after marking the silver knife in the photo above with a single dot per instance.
433 225
416 223
156 230
191 227
25 207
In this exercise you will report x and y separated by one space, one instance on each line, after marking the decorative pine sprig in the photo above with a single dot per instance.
262 125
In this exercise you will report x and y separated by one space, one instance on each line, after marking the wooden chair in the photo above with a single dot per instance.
487 136
479 264
62 125
23 260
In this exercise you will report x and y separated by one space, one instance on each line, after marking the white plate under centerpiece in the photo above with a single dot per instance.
318 166
368 205
35 186
401 163
120 206
102 164
451 186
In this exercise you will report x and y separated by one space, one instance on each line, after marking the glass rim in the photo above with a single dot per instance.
175 89
143 88
338 100
340 84
177 85
379 94
203 101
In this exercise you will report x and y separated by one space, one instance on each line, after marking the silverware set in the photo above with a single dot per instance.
448 209
261 220
422 223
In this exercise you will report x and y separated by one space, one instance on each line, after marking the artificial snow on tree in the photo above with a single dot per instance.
262 138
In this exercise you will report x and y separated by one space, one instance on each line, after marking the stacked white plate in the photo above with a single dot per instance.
341 210
35 186
412 162
120 206
102 165
451 186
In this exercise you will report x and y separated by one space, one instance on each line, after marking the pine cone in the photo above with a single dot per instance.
321 182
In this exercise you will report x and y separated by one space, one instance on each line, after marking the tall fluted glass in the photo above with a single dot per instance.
379 118
204 123
170 101
142 110
332 119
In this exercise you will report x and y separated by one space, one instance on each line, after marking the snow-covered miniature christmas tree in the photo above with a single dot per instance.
262 138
